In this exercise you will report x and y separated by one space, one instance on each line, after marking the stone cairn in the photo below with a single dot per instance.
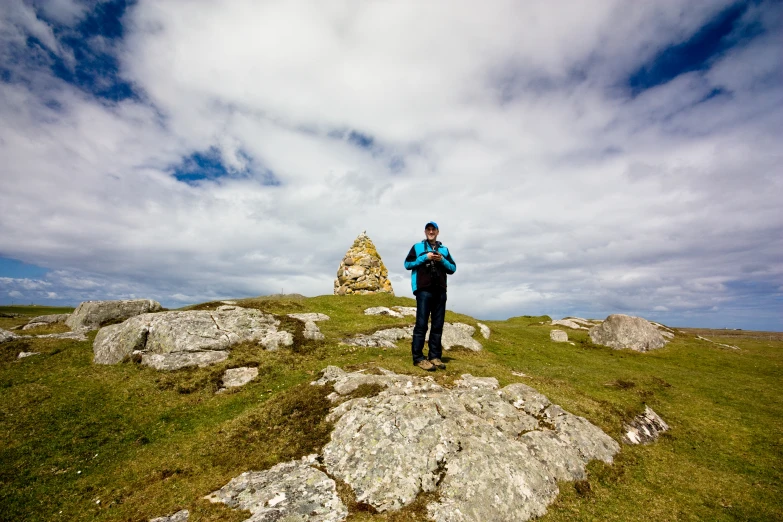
361 270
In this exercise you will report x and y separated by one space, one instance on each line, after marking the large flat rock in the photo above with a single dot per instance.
172 340
491 454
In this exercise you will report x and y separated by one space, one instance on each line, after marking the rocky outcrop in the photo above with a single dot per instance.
45 320
644 428
457 334
291 491
568 323
473 444
91 315
311 330
558 336
620 331
362 271
6 336
172 340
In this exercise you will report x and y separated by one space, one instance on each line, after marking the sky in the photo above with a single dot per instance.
581 158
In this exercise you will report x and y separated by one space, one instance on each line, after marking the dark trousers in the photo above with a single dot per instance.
429 303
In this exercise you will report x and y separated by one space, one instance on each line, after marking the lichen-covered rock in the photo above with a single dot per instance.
620 331
362 271
457 334
44 320
558 336
235 377
311 330
491 454
382 310
91 315
179 516
406 310
288 492
171 340
644 428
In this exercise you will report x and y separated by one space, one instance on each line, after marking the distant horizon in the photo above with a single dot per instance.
2 304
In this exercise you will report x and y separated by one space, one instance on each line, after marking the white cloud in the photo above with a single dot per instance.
510 125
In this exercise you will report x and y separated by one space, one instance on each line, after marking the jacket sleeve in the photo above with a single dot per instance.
412 261
449 263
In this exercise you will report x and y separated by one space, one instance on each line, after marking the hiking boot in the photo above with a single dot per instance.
425 365
437 363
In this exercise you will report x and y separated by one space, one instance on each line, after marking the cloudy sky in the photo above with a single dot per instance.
582 158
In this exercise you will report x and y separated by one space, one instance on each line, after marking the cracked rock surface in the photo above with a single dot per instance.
172 340
492 454
291 492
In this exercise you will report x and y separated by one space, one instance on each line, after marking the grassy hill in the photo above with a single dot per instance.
80 441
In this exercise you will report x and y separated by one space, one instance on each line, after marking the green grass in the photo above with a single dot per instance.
146 443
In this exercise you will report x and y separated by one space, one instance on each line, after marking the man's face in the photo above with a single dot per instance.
431 233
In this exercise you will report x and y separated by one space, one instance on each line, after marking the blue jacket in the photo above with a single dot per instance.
428 275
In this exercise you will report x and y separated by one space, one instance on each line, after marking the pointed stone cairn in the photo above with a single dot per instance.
361 270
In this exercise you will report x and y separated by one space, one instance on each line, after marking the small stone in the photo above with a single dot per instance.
179 516
644 428
558 336
239 376
22 355
382 310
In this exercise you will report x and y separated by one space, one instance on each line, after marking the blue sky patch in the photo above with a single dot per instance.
18 270
361 140
208 165
694 54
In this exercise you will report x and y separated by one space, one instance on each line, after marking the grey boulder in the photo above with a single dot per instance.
620 331
91 315
172 340
558 336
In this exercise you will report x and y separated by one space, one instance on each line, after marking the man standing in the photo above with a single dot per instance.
430 262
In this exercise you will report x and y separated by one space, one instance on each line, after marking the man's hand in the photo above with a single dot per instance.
435 256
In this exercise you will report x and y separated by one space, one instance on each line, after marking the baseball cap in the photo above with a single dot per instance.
433 224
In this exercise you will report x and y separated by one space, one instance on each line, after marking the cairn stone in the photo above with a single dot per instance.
362 271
